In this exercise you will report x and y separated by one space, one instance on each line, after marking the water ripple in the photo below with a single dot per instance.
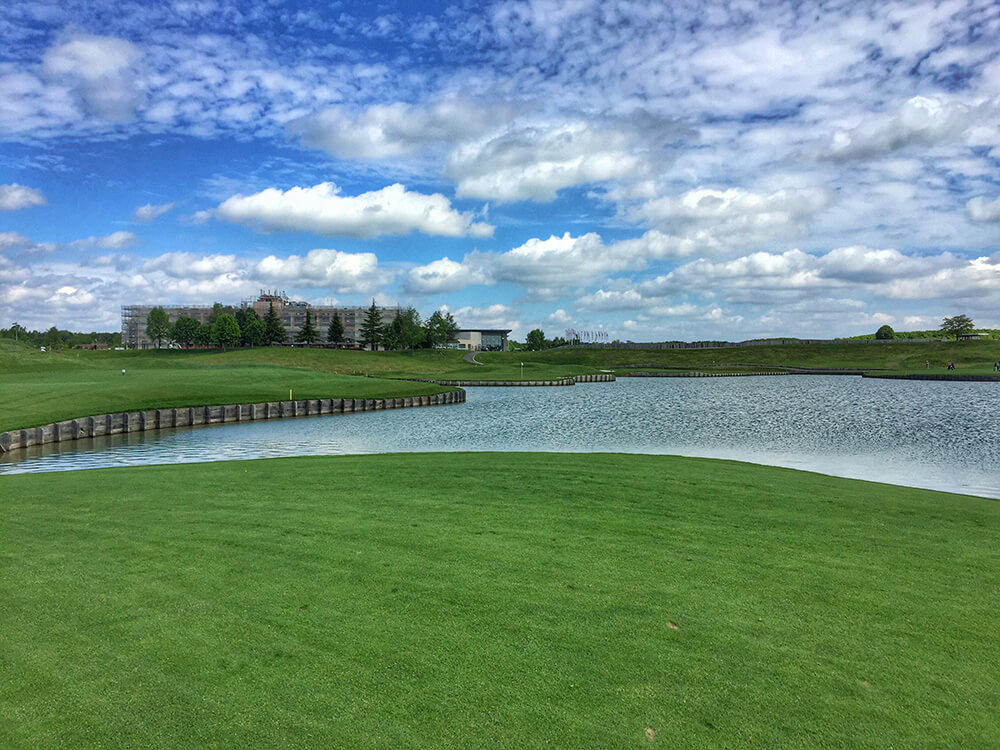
923 434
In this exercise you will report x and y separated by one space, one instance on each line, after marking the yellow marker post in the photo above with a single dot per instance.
289 394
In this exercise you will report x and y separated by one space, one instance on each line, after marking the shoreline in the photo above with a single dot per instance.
117 423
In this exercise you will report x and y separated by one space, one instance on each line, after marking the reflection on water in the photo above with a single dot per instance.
923 434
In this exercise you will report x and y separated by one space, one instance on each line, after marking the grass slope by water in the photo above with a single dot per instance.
494 600
44 387
969 356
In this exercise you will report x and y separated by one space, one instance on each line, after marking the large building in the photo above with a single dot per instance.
481 339
292 314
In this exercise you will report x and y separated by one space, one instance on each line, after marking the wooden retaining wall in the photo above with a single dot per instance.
573 380
154 419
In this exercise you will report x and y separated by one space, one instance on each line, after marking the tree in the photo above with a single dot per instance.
335 333
226 331
254 332
885 332
411 332
274 331
371 327
439 329
220 309
184 330
157 325
16 331
52 338
536 340
957 325
307 333
244 317
203 335
389 335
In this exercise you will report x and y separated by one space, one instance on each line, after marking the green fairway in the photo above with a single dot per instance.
44 387
969 356
494 600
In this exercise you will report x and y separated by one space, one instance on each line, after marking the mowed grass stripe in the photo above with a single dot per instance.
36 398
508 600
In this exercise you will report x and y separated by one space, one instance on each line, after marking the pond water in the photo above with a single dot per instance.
922 434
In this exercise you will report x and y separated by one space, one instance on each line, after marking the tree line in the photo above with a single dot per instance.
228 327
55 338
955 326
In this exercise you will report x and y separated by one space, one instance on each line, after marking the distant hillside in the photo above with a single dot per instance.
992 333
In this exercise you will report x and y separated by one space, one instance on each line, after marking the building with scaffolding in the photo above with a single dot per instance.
291 313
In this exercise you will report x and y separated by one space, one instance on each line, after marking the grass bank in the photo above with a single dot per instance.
970 356
39 387
501 600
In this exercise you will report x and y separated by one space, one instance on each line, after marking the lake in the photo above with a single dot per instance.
923 434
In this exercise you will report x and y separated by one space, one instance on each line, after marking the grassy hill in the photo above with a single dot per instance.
969 356
494 600
41 387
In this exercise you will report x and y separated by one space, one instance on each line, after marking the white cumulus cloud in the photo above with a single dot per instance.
921 121
14 197
442 275
321 209
536 162
345 273
182 265
711 219
492 316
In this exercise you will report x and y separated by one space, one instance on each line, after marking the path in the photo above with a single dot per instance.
471 358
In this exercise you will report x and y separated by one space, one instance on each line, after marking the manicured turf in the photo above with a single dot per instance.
970 356
44 387
494 600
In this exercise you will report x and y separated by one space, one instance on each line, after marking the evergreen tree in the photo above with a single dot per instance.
274 331
371 328
244 317
157 325
307 333
335 333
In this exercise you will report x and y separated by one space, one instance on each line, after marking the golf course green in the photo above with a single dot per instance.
494 600
476 600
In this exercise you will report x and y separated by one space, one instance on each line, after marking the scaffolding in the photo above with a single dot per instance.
130 325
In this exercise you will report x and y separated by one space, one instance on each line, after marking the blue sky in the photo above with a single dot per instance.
654 170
